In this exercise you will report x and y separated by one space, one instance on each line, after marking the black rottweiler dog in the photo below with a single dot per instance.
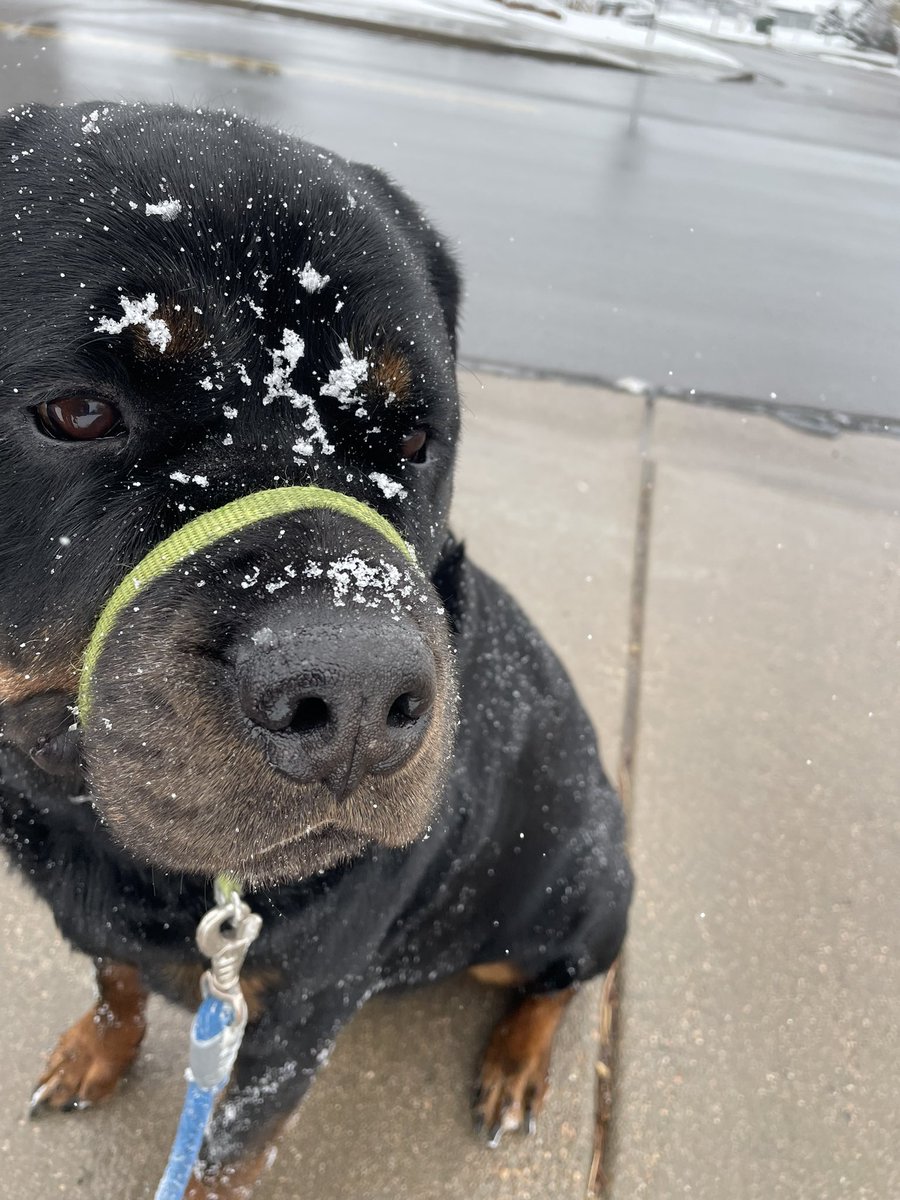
194 308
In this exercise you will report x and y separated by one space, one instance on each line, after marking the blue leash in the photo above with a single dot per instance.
210 1022
216 1034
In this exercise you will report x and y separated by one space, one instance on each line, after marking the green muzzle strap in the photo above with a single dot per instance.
205 531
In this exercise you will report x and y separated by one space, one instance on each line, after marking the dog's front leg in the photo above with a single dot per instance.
278 1059
92 1056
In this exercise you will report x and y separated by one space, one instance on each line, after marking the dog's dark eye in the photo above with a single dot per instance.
79 419
415 447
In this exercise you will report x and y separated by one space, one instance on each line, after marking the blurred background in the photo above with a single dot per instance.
699 198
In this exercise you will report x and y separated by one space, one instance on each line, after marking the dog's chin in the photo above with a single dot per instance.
285 838
298 856
291 858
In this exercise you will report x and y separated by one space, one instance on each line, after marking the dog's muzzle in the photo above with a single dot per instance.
271 702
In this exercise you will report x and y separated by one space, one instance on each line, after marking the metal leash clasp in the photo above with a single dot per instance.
226 948
224 935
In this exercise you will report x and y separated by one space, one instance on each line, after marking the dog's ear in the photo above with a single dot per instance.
442 268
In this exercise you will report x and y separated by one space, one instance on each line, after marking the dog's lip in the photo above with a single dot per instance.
321 832
317 830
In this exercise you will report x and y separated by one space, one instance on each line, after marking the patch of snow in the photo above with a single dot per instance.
365 583
547 27
284 360
390 487
139 312
167 209
344 380
278 385
630 383
181 477
310 279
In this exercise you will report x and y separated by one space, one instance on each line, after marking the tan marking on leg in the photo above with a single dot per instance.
184 979
255 984
516 1067
92 1056
498 974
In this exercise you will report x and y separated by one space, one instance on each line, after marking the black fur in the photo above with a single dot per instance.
524 858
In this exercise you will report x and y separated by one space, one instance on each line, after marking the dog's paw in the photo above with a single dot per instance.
515 1071
88 1062
509 1094
513 1081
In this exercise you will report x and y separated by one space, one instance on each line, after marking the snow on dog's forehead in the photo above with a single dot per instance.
213 178
184 205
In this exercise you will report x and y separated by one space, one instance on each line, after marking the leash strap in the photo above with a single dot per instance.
213 1020
224 935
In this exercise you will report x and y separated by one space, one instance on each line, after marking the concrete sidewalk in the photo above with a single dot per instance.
759 1029
760 1047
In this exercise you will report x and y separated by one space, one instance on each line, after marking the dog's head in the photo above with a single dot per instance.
194 308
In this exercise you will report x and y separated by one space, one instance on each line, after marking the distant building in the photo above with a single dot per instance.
796 14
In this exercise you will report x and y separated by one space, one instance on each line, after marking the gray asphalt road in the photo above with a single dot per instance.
740 239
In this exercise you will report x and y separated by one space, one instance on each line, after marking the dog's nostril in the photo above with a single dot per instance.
406 710
310 714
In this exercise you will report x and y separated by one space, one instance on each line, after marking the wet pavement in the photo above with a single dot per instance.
760 1034
737 239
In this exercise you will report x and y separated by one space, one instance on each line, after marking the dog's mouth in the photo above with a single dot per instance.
309 733
303 853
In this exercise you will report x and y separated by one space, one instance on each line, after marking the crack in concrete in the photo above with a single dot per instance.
613 985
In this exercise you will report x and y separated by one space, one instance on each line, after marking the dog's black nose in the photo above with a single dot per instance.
338 702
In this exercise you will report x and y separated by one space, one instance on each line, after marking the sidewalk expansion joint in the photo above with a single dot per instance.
613 984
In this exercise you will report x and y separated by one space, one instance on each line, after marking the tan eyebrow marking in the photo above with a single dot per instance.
391 374
187 331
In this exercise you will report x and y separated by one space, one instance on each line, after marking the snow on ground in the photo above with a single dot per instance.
740 29
547 28
864 64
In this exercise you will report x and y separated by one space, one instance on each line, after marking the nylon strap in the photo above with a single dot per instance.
206 530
